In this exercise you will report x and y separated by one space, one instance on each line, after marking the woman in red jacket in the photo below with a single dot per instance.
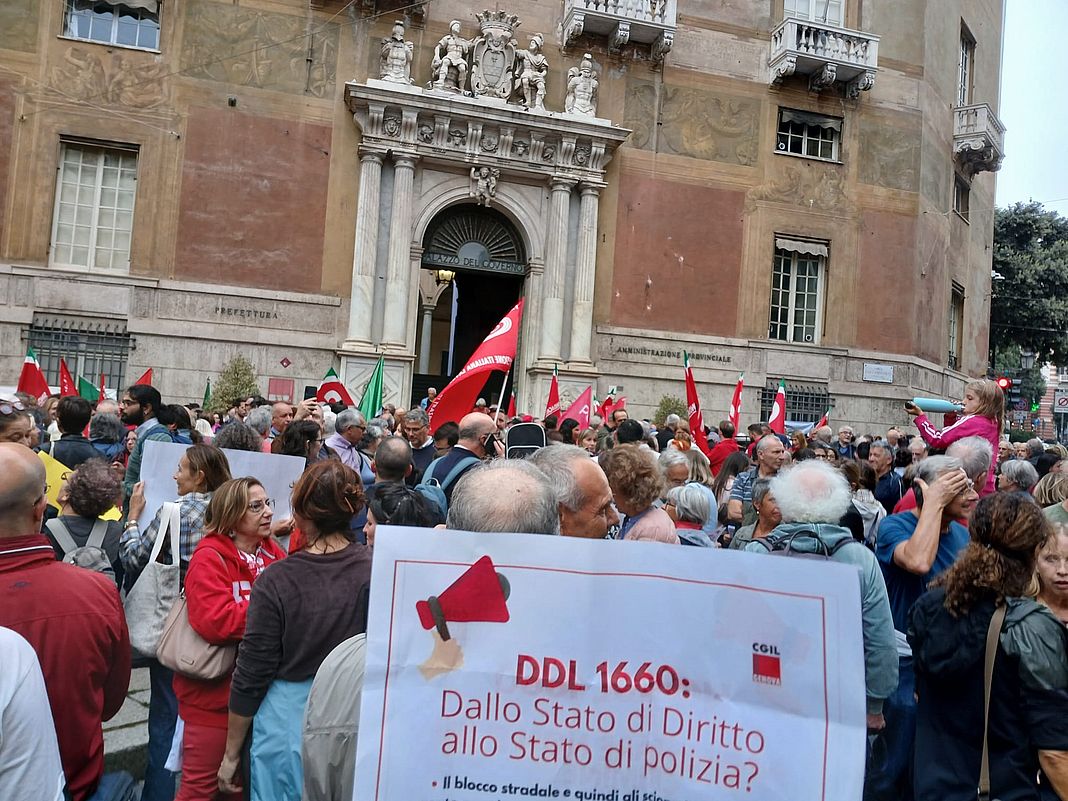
226 563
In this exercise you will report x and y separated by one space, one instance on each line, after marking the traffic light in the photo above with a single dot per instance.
1005 383
1035 407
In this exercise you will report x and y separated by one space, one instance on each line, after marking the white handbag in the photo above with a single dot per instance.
150 599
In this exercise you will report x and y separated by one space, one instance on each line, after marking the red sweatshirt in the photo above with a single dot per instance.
73 619
720 451
970 425
217 588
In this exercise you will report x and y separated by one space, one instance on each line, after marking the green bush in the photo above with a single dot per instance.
669 404
236 381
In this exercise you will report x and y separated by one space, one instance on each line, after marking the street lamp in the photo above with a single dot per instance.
445 276
1027 359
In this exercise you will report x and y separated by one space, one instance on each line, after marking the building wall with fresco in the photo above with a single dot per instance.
248 166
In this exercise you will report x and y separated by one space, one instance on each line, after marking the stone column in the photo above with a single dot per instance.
395 323
426 321
363 262
585 273
552 319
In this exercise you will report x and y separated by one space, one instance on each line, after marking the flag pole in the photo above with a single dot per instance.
504 385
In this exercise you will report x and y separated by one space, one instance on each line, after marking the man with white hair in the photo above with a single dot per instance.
918 449
667 433
845 447
504 495
914 548
583 497
812 498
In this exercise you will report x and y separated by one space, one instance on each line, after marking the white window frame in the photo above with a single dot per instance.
94 225
69 31
816 10
962 198
796 251
965 67
813 126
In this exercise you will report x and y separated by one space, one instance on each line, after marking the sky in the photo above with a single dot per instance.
1034 105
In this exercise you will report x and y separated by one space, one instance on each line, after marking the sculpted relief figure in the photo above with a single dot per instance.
451 54
535 68
397 56
484 184
582 89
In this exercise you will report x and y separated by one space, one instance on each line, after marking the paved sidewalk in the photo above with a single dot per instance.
126 734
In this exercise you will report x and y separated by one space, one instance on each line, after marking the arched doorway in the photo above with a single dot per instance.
473 267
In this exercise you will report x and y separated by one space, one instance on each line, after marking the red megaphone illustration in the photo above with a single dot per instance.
479 595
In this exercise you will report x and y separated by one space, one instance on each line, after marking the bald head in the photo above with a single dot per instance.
506 495
474 426
22 480
393 459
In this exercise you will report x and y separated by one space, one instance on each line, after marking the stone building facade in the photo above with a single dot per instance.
797 189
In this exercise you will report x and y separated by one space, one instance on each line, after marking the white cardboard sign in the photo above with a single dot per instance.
613 671
277 473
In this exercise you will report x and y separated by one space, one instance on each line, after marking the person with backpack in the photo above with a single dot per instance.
812 498
79 535
476 441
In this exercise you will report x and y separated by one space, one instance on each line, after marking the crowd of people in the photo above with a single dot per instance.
946 527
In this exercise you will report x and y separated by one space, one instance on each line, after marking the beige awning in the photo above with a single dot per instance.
152 6
801 246
808 118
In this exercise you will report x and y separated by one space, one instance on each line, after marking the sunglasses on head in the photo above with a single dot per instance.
10 407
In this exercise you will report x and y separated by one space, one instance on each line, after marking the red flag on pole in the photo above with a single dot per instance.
66 381
823 420
579 411
497 352
735 413
146 378
552 406
693 408
31 380
777 421
511 406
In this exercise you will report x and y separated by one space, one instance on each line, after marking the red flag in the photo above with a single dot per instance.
579 411
331 390
66 382
777 421
823 420
735 413
103 388
31 380
511 406
693 408
146 378
552 406
497 352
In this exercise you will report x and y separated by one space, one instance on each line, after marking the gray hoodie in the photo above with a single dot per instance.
880 650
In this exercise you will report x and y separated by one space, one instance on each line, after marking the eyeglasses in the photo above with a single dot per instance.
128 402
257 507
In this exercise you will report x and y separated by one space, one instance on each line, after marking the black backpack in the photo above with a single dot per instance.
783 545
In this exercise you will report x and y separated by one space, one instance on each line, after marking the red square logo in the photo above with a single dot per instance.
767 669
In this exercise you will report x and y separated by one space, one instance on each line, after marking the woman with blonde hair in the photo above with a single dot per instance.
981 599
302 608
984 416
226 564
637 483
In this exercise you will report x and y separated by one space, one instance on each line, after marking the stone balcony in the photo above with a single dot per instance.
826 53
978 138
649 22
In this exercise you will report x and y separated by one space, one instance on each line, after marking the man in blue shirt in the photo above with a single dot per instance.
888 489
913 549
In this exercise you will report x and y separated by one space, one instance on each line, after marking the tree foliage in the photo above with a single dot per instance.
669 404
236 381
1031 383
1029 291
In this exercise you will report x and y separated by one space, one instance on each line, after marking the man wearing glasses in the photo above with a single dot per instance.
139 406
416 430
71 616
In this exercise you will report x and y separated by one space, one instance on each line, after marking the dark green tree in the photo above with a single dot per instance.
236 381
669 404
1029 290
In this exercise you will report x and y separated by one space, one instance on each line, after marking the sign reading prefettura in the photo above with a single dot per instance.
515 666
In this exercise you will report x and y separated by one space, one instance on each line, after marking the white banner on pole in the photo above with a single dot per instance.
277 473
505 665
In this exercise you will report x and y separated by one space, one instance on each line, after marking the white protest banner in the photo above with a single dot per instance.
277 473
512 666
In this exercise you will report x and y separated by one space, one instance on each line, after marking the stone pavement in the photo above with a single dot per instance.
126 734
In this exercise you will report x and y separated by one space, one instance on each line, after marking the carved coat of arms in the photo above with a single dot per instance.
493 55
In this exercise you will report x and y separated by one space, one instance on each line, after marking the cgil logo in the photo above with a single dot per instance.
767 665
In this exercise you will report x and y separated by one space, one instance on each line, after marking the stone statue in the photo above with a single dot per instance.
397 56
484 184
451 53
535 67
582 89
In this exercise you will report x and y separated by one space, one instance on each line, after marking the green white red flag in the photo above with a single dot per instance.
735 413
777 421
331 390
31 380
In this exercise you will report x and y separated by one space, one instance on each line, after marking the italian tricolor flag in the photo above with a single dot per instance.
777 421
32 381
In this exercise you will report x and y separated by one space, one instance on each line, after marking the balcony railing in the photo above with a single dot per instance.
978 138
650 22
826 53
